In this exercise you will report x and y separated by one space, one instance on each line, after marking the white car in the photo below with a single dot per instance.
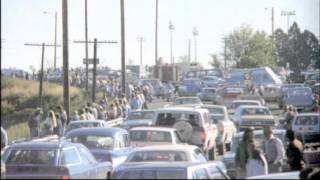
85 123
193 124
285 175
226 128
138 118
256 116
307 126
148 136
188 153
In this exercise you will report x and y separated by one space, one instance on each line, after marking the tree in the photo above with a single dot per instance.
298 49
216 62
249 49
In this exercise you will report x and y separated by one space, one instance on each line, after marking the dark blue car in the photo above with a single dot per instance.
106 144
302 98
190 87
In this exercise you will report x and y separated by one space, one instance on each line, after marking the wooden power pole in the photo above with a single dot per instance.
43 45
123 46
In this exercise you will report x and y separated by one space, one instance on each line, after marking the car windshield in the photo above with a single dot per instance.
153 136
169 119
141 115
27 156
92 141
255 111
307 120
155 155
186 101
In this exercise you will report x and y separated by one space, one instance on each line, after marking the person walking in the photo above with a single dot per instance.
294 152
257 163
63 116
34 123
135 102
242 152
50 123
274 151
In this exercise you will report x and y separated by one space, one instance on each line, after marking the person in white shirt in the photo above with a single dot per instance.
274 151
257 163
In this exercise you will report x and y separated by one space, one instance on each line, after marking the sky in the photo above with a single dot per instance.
23 21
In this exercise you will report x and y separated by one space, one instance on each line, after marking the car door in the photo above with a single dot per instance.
200 173
88 162
71 159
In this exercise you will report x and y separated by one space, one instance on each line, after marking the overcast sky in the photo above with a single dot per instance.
24 21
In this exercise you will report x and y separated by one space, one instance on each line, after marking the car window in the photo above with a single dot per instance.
255 111
307 120
140 115
86 156
200 173
198 155
155 155
214 173
92 141
154 136
70 156
19 157
168 119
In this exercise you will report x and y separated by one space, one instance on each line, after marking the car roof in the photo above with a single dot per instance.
143 110
308 114
260 132
188 97
212 106
285 175
253 106
169 147
152 129
209 88
98 131
245 100
42 145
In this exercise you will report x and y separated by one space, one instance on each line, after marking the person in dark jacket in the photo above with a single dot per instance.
294 152
34 123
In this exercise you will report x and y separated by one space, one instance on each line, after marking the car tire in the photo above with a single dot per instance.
212 154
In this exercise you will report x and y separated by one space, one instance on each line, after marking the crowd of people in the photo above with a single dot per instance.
252 161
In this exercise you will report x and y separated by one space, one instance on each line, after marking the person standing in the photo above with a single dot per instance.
135 102
274 151
34 123
242 153
257 163
50 123
63 116
294 152
75 116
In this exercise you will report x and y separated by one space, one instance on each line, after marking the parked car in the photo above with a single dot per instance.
229 157
256 116
283 91
190 87
139 118
53 160
170 153
85 123
283 175
226 95
193 124
207 94
307 127
174 170
252 97
226 128
211 81
148 136
236 103
106 144
302 98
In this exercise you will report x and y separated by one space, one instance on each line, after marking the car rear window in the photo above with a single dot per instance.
307 120
187 101
141 115
153 136
168 119
92 141
236 105
255 111
18 157
155 155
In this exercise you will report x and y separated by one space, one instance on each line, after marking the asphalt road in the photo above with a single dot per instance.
273 106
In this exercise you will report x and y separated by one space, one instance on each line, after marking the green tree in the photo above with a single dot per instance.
216 62
249 48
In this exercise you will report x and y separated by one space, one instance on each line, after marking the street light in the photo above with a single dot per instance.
288 14
171 28
195 34
55 37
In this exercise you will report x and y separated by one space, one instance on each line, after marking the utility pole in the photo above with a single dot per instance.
156 35
225 55
94 82
65 53
195 34
189 51
86 39
94 42
43 45
141 39
123 53
171 28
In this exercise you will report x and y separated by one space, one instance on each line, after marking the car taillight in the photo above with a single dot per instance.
65 177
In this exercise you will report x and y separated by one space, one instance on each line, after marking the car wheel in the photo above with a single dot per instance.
212 154
108 175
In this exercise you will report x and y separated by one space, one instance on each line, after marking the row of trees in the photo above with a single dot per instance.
246 48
